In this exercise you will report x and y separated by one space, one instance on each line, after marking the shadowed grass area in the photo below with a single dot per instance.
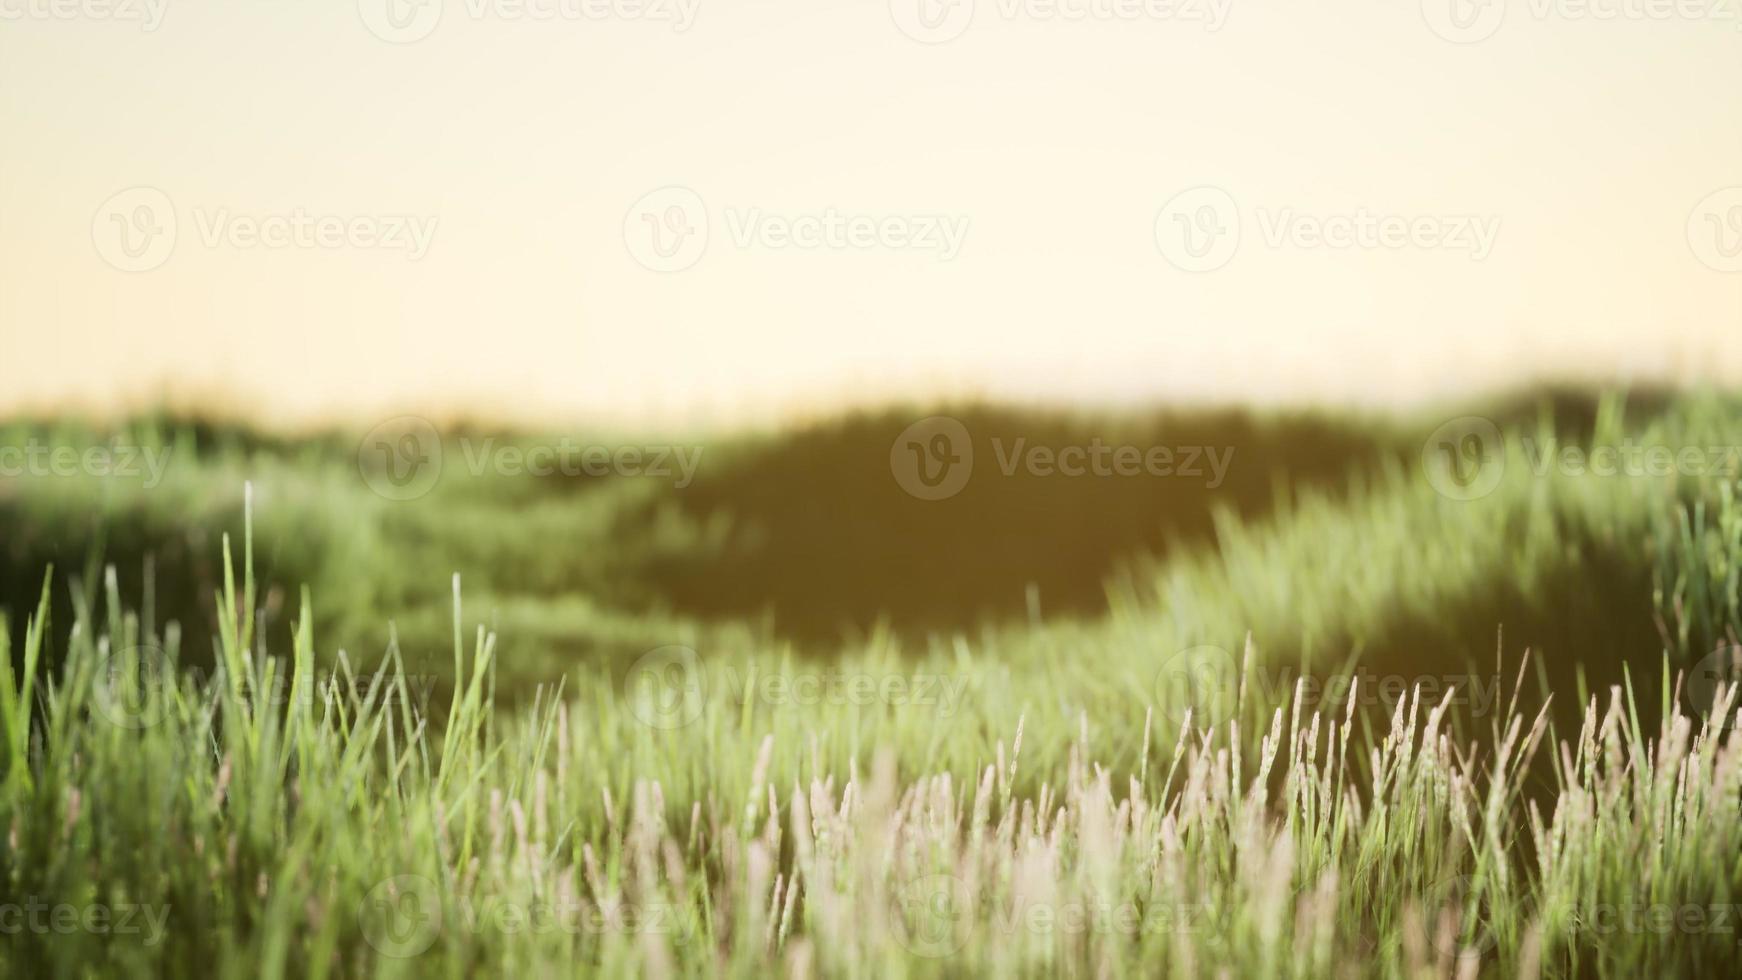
825 540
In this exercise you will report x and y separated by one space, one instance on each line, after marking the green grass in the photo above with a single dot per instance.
1162 785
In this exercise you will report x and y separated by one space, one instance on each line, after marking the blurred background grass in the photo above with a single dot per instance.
1325 542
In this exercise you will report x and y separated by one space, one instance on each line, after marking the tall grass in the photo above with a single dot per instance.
272 819
276 806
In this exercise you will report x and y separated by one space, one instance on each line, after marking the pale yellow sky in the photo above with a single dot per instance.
1130 204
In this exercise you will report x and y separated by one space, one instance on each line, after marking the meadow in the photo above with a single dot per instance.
1381 701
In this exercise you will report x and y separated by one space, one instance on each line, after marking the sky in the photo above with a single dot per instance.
716 212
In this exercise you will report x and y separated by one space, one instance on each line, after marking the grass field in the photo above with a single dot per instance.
1380 701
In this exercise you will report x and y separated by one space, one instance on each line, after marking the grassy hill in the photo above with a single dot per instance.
1107 691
